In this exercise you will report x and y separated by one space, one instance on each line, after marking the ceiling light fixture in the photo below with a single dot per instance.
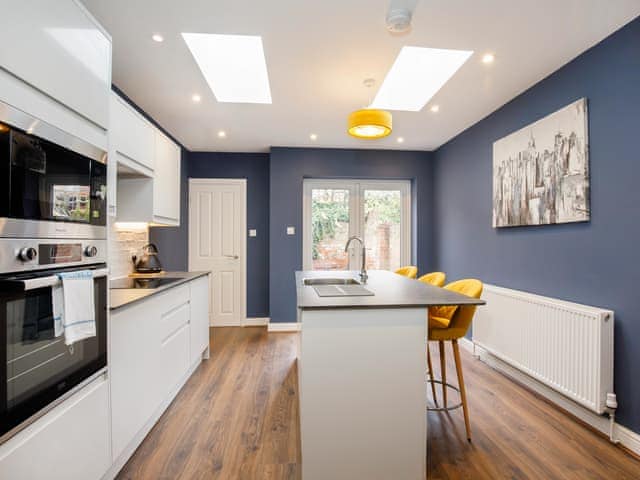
157 37
416 76
400 140
196 98
369 123
222 134
234 66
435 108
488 58
313 136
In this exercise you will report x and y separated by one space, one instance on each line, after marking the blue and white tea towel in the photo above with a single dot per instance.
74 307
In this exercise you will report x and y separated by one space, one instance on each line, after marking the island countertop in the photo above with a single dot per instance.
389 291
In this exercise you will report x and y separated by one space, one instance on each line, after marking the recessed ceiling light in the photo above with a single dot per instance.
157 37
234 66
400 140
222 134
196 98
435 108
488 58
416 75
313 136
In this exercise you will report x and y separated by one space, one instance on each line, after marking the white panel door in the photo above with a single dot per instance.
217 224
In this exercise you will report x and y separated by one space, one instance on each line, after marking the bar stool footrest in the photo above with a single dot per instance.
444 409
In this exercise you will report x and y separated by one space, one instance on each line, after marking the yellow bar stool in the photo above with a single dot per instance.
408 271
449 324
436 279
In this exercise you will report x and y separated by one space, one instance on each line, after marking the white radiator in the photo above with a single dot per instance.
566 346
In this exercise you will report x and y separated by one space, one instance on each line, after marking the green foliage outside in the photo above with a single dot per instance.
380 206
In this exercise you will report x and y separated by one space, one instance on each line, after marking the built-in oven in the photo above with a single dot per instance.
37 368
61 186
53 212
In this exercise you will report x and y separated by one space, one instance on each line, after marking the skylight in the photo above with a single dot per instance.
233 65
416 76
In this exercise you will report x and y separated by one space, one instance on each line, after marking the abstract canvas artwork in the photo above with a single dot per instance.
541 172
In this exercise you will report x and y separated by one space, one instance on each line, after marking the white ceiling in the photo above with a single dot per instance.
319 52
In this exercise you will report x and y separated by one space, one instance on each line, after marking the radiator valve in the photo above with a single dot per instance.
612 402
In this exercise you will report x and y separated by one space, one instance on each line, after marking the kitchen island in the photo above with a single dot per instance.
362 372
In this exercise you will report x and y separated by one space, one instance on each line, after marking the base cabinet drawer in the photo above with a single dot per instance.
70 442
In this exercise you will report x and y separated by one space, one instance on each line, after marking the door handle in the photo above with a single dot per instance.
235 257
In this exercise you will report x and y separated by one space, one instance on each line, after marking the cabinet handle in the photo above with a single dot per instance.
235 257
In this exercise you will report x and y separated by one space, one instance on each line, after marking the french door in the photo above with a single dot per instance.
378 211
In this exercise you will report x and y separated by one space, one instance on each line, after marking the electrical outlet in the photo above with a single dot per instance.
253 232
291 230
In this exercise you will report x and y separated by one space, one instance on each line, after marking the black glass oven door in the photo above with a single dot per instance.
37 366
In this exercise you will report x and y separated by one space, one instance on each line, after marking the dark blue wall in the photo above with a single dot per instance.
289 166
595 263
255 168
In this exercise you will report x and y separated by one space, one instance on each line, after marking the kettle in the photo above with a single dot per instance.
149 262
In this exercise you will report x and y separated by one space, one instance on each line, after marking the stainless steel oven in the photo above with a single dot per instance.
37 368
52 220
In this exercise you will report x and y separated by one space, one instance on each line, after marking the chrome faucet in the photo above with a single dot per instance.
363 270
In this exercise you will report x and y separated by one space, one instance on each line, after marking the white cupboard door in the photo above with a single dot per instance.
131 137
217 224
69 443
199 317
58 48
136 377
166 186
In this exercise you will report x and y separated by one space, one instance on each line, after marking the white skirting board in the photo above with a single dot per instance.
285 327
626 437
247 322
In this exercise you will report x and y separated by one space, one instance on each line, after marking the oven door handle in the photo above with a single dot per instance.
51 281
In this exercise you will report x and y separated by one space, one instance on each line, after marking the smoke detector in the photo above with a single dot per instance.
399 20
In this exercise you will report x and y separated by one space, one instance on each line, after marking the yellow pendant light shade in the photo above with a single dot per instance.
370 123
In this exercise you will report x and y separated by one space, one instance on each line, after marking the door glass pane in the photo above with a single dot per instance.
382 216
330 228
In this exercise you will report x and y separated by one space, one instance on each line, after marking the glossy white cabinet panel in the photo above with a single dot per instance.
166 188
58 48
199 318
131 136
71 442
136 386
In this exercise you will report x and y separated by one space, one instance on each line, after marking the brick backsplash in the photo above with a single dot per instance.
124 242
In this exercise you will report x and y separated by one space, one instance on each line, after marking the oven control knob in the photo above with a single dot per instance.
90 251
27 254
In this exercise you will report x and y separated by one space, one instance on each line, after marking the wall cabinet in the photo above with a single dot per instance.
153 347
131 137
69 442
144 169
58 49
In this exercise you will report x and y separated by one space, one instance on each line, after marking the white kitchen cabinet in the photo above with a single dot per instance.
131 137
59 49
150 360
166 185
199 318
69 442
154 200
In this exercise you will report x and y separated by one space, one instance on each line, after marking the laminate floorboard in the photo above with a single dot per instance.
237 418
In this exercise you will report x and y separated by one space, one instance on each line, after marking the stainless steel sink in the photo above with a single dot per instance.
330 281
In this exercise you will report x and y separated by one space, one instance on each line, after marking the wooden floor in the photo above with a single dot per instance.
237 418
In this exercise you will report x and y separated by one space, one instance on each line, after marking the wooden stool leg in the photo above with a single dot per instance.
463 393
443 372
433 385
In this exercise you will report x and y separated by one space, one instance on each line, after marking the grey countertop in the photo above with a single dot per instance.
121 297
390 291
